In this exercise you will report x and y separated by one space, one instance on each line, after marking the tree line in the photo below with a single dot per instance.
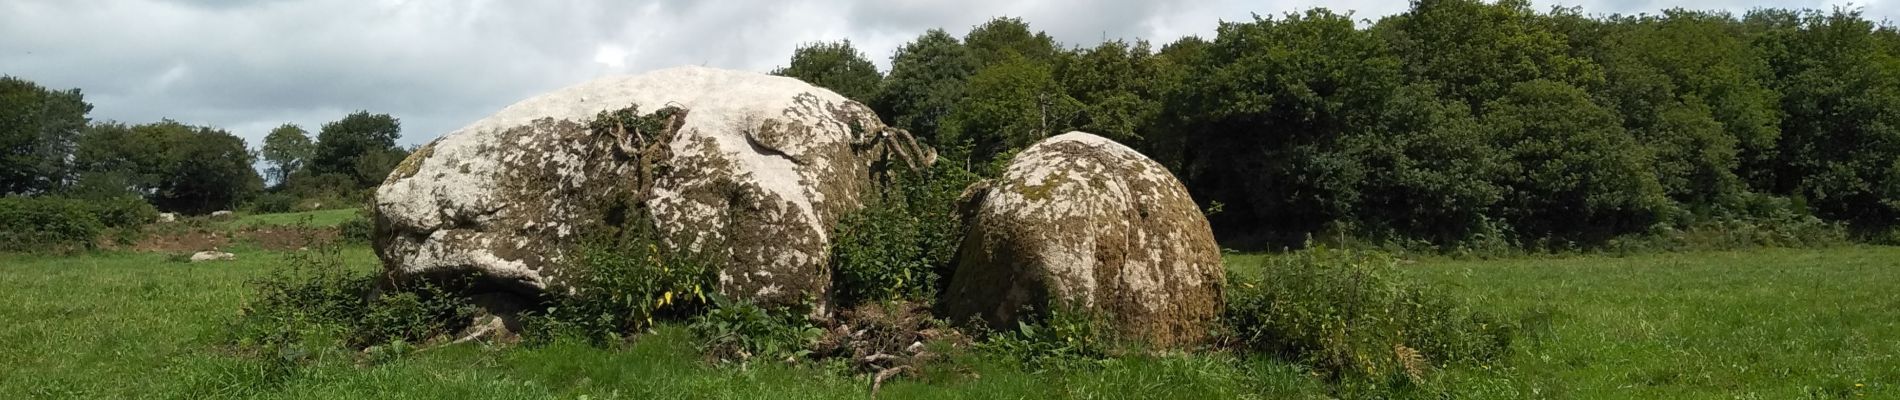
50 147
1455 123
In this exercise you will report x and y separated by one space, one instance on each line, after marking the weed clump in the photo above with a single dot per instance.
621 282
1056 339
1352 316
741 331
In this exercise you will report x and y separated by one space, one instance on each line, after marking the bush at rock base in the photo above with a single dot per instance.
317 300
900 246
623 281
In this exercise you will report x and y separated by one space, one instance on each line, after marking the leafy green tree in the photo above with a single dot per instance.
1175 69
834 65
1011 105
1264 115
287 148
1115 84
177 167
113 159
926 82
204 170
1840 139
1477 51
1690 87
38 127
1004 39
357 146
1575 176
1430 172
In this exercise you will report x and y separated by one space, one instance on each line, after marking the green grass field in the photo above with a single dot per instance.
318 218
1758 324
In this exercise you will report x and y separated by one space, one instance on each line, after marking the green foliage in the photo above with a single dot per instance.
1690 86
1059 339
1116 88
205 170
1476 51
359 229
1839 75
741 331
1008 106
47 224
113 159
632 120
834 65
177 167
623 282
1757 221
287 148
361 145
1430 177
1353 316
900 246
315 299
38 127
124 212
925 84
1262 116
876 256
1575 174
270 203
1004 39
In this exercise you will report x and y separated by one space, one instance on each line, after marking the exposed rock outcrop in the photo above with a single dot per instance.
1078 223
749 169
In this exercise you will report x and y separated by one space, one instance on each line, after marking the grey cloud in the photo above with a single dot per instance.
249 66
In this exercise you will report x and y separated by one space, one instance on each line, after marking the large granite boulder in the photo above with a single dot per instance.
745 168
1081 224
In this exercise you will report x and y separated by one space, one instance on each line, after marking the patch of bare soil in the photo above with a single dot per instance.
202 239
289 238
182 241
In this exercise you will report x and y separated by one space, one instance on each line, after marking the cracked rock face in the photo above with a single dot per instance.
753 169
1085 225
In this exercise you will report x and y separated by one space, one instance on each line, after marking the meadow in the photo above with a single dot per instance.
1751 324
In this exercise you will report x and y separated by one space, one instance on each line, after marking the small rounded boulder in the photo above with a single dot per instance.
1078 223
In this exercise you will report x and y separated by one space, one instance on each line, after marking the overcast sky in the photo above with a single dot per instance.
250 65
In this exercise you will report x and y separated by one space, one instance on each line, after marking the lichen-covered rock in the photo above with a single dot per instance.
212 255
742 167
1081 224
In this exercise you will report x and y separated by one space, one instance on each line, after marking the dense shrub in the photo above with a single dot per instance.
47 223
357 229
1353 316
317 299
901 244
123 211
271 203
